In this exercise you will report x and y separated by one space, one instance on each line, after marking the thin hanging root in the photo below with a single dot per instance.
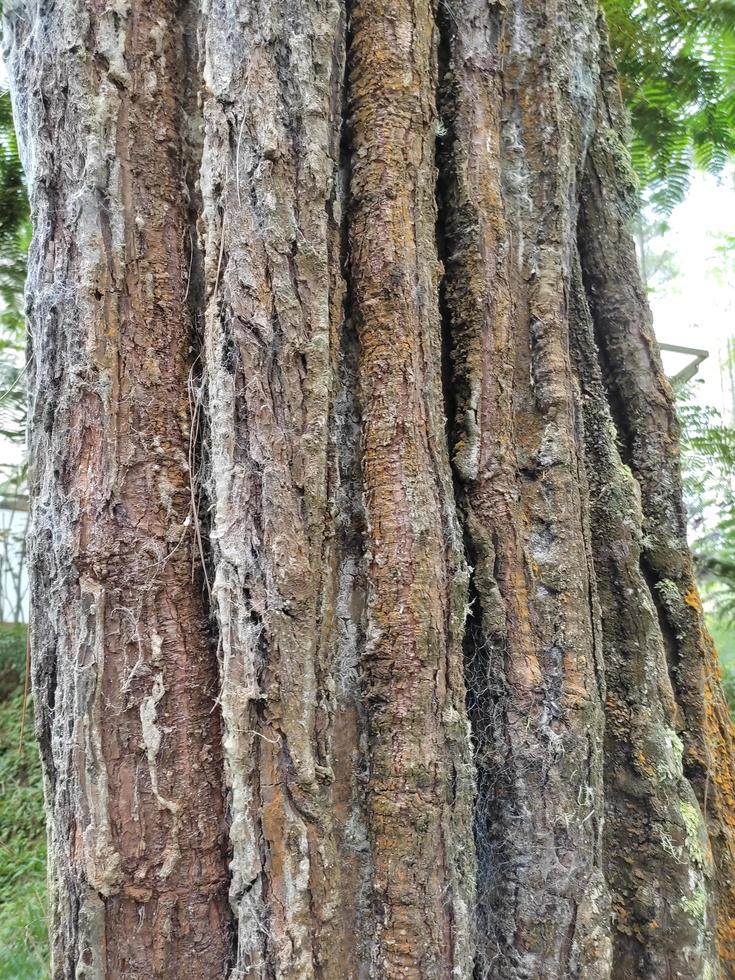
26 691
195 404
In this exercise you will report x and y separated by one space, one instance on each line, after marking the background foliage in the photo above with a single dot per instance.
677 70
708 464
23 941
15 233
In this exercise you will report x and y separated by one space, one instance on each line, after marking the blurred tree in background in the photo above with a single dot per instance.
15 233
708 463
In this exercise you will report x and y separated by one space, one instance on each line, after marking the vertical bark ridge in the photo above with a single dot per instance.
420 782
662 912
349 734
125 678
533 658
286 517
649 431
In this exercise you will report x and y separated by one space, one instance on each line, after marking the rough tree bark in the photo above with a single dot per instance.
365 636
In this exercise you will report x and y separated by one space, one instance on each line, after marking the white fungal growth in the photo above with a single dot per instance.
102 861
152 737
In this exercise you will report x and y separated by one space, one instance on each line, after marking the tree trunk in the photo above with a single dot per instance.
365 636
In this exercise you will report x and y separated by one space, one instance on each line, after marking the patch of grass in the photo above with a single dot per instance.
12 660
23 939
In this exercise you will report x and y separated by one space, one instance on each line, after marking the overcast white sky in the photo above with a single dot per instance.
697 309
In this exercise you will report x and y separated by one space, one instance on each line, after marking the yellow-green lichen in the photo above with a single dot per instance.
692 822
613 146
668 591
671 766
696 905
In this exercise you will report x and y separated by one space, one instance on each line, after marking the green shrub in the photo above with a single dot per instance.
23 939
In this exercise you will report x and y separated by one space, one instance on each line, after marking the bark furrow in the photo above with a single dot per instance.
662 914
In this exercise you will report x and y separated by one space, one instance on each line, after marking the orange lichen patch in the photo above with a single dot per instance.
644 765
719 810
692 599
726 933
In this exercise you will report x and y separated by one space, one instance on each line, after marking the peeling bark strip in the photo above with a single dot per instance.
276 242
286 592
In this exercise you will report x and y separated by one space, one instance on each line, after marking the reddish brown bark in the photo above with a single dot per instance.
124 669
419 795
